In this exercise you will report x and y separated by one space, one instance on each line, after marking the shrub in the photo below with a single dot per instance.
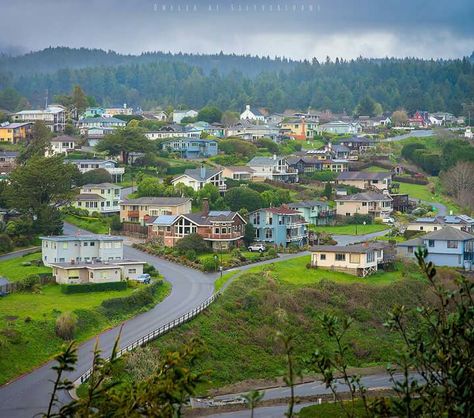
191 255
191 242
66 326
115 223
151 270
138 299
6 244
28 284
272 252
209 264
92 287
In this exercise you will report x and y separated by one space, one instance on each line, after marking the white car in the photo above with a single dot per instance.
388 220
143 278
257 248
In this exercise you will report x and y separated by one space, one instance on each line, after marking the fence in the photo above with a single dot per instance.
12 287
155 333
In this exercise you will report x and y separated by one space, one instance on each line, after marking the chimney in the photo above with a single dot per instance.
205 207
274 156
247 107
203 171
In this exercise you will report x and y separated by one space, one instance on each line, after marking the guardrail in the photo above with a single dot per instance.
155 333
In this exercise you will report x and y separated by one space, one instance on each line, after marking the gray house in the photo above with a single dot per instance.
446 247
192 148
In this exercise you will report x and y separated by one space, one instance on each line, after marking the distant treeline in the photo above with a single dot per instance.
230 81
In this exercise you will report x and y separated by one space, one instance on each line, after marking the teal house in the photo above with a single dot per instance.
314 212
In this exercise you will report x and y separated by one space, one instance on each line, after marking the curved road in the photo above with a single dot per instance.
28 395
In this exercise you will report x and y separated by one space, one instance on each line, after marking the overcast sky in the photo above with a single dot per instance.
296 29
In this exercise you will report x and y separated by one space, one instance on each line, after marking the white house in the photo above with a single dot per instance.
179 115
340 128
103 198
272 168
197 178
248 114
80 248
53 116
62 144
109 165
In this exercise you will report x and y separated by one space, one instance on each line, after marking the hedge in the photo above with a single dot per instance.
138 299
92 287
411 180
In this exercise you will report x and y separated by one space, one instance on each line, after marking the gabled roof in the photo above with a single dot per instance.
365 197
240 169
364 175
102 119
90 237
64 138
14 125
363 248
165 220
282 210
307 204
448 233
202 219
197 174
100 186
160 201
89 196
264 161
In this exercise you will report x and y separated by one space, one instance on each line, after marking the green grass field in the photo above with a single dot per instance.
333 410
14 271
95 225
313 144
27 322
350 229
423 192
374 169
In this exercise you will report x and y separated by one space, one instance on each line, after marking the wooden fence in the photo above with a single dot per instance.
13 286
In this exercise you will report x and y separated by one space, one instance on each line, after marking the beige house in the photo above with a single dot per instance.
359 259
366 180
462 222
137 210
238 173
378 205
97 272
103 198
197 178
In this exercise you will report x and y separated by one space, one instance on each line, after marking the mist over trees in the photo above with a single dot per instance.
229 81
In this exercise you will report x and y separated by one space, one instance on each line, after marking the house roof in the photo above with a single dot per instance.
240 169
9 154
164 220
365 196
160 201
102 119
200 218
64 138
15 125
89 196
364 175
264 161
100 186
97 265
355 248
307 204
282 210
415 242
66 238
357 139
448 233
199 175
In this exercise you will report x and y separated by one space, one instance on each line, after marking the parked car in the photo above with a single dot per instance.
257 248
143 278
388 220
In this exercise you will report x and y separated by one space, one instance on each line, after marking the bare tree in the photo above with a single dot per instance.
459 183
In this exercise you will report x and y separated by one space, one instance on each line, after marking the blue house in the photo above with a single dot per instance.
447 247
192 148
314 212
279 226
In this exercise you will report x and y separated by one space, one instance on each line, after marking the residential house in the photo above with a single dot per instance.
247 130
400 202
191 148
14 133
315 163
462 222
104 124
156 115
63 144
197 178
179 115
8 161
339 128
273 168
93 112
314 212
119 110
378 205
140 209
53 116
215 129
420 119
220 229
446 247
96 271
240 173
298 128
358 259
173 131
254 115
357 145
110 166
103 198
80 248
280 226
366 180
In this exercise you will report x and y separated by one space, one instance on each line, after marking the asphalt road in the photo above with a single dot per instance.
29 394
442 210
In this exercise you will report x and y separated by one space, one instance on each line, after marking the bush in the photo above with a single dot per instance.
6 244
69 289
138 299
151 270
209 264
325 175
191 255
28 284
115 223
359 219
191 242
272 252
66 326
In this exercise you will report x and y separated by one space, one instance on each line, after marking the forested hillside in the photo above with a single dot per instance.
225 81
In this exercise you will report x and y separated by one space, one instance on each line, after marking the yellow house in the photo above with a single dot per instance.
299 128
359 259
136 210
15 132
377 205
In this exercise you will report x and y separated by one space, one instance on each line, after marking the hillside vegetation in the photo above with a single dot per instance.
239 329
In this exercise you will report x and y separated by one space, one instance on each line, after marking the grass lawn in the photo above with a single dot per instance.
14 271
27 324
221 281
423 192
294 272
350 229
312 144
333 410
95 225
226 257
374 169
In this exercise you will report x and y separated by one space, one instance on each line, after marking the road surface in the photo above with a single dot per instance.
29 394
441 209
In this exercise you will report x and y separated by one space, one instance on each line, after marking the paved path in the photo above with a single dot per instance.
18 253
29 394
441 209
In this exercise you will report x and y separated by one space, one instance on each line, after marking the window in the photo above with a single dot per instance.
117 244
132 271
431 243
364 203
92 244
370 257
354 258
340 257
322 256
65 245
452 244
410 250
421 228
268 233
85 244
